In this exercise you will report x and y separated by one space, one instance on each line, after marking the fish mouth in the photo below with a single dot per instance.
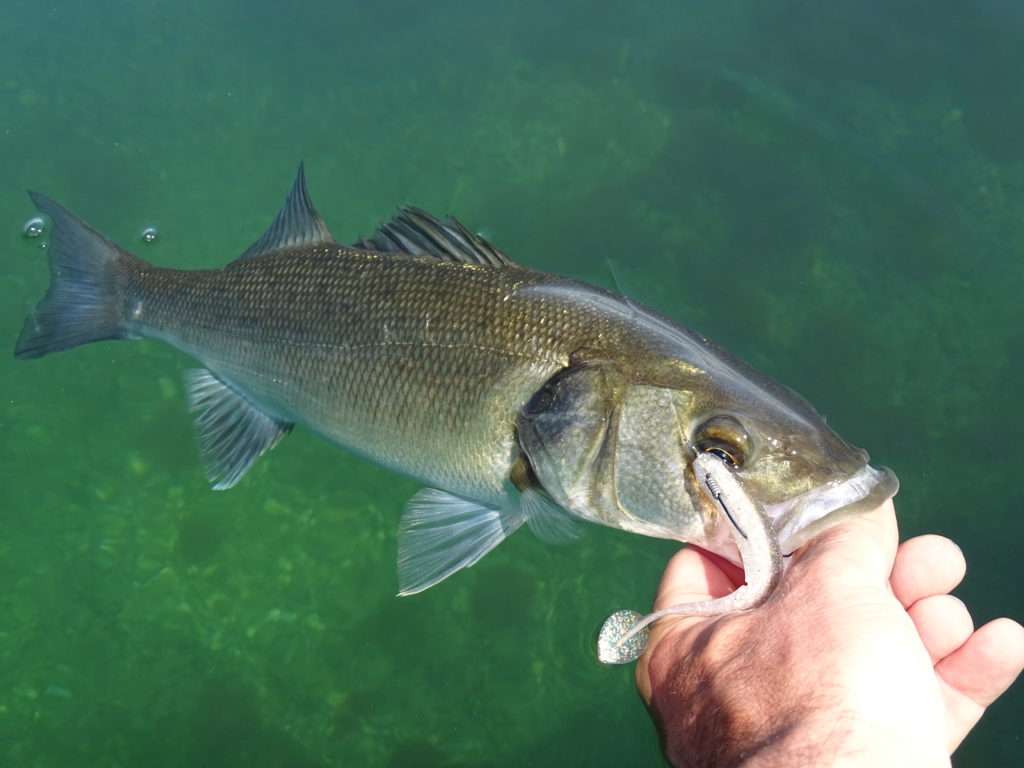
801 518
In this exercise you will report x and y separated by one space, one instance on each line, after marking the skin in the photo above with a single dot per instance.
861 657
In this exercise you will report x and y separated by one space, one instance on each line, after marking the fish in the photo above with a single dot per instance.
516 397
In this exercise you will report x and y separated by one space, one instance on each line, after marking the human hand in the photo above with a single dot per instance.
861 657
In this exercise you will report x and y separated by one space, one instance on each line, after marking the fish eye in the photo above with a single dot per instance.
723 454
724 437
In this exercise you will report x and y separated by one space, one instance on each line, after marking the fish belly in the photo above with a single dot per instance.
446 420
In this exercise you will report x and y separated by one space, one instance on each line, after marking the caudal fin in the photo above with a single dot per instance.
88 284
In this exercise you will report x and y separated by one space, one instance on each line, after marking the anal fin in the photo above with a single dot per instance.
441 533
232 431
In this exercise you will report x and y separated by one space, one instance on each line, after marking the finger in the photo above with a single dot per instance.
733 572
693 574
985 666
866 542
943 623
979 672
926 565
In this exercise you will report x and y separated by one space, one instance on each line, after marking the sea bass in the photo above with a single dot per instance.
514 395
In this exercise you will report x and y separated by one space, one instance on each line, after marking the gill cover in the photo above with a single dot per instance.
565 430
609 451
651 472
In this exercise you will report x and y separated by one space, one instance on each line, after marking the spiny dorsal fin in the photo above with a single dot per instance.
297 223
416 232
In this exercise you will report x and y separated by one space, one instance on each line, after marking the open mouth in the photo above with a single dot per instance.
801 518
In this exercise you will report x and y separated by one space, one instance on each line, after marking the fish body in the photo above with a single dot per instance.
515 395
416 364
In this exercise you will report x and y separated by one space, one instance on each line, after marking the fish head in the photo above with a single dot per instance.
617 448
797 470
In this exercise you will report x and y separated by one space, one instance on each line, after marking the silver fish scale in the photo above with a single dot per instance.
419 364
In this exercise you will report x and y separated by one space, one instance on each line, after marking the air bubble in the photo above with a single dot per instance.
34 227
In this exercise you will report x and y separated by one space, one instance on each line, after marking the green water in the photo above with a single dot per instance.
835 191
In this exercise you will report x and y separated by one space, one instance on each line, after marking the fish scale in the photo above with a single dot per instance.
339 340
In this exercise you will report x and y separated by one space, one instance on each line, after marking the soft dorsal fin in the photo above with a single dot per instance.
297 223
416 232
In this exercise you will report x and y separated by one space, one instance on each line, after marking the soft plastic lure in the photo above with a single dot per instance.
624 634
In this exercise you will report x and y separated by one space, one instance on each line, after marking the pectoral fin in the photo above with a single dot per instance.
548 521
232 431
441 533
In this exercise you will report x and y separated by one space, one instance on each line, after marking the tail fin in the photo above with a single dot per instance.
88 279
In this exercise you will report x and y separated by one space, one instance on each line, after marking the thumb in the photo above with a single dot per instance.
695 574
862 545
691 575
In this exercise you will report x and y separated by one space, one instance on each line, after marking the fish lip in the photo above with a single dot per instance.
801 518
